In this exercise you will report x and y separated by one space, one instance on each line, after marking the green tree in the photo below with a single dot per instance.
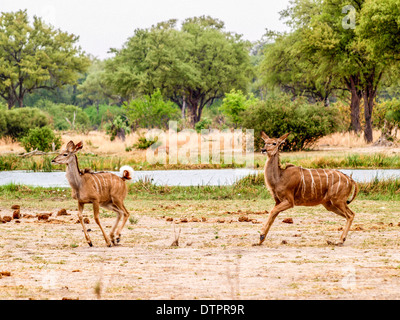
324 37
35 56
94 89
192 66
285 65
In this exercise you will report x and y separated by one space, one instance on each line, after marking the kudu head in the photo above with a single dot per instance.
272 145
68 155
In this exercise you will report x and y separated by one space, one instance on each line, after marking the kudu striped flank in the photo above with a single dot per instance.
296 186
102 189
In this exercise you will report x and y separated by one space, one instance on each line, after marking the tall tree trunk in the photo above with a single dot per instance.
369 94
10 103
369 97
183 107
356 94
20 102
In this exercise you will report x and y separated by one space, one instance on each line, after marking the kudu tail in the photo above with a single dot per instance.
354 192
126 172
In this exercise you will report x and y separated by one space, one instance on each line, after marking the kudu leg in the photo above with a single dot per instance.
284 205
124 219
80 210
119 213
96 210
343 210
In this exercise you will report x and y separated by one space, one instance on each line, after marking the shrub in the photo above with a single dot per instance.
117 128
235 103
21 120
144 144
279 115
204 123
3 123
99 115
65 117
151 111
41 139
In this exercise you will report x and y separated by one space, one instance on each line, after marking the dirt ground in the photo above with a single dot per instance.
215 257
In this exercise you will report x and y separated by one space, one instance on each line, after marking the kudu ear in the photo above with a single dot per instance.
264 135
70 146
78 146
283 138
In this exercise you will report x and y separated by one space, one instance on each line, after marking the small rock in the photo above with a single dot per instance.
62 212
43 216
16 214
6 219
287 220
15 207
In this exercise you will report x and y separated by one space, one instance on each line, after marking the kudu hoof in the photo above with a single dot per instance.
90 244
262 238
336 244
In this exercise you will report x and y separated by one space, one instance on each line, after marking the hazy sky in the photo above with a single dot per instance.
105 24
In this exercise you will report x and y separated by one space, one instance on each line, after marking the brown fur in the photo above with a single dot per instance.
296 186
102 189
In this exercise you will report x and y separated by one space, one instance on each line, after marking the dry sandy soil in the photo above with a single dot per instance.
215 258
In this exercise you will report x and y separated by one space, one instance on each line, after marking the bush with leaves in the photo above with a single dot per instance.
21 120
42 139
3 123
64 116
278 115
234 103
101 114
151 111
204 123
387 119
117 128
144 143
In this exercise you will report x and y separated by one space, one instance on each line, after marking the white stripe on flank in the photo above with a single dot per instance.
95 183
303 186
312 182
337 190
320 181
94 175
105 182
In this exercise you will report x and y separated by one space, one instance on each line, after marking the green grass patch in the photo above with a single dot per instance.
248 188
313 160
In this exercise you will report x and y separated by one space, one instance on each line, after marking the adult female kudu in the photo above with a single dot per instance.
103 189
296 186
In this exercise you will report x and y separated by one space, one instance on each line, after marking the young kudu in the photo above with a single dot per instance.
296 186
102 189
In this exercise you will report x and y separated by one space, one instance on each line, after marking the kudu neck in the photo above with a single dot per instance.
273 168
73 173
